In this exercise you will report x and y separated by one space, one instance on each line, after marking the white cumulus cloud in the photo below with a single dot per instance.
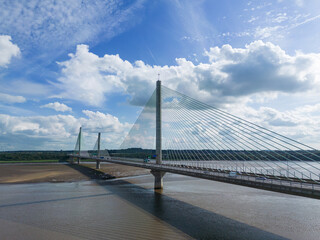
59 107
102 122
8 50
60 131
231 75
87 77
7 98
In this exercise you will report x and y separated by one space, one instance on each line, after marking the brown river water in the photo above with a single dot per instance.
128 208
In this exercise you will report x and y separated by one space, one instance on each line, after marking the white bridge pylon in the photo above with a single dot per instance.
95 153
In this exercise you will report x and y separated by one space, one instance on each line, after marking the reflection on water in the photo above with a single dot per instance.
129 209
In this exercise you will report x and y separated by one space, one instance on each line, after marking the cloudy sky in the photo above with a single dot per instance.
71 63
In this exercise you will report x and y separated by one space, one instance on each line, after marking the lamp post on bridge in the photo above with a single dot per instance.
158 175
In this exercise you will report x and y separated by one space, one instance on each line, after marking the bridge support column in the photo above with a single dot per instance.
158 124
158 179
98 155
98 164
158 175
79 144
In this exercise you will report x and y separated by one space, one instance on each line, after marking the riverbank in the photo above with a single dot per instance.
37 173
32 161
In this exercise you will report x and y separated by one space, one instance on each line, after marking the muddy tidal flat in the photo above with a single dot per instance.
52 172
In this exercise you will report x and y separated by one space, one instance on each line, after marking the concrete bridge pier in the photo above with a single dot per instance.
158 175
98 164
79 137
158 179
98 155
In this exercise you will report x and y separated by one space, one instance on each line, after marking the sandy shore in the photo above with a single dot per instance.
35 173
118 170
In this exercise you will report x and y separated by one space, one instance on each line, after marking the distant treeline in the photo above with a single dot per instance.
219 155
206 154
34 155
133 153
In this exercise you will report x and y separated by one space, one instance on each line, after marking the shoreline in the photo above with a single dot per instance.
19 173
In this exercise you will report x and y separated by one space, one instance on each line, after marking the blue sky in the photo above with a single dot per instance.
69 63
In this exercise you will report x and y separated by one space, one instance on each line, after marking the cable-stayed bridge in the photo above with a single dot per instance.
178 134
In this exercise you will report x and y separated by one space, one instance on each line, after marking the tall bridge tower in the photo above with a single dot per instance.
158 175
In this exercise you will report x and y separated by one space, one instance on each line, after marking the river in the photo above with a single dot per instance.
128 208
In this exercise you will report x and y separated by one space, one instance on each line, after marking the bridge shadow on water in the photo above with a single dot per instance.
192 220
53 200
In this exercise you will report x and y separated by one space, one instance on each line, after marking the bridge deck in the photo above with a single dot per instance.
292 186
